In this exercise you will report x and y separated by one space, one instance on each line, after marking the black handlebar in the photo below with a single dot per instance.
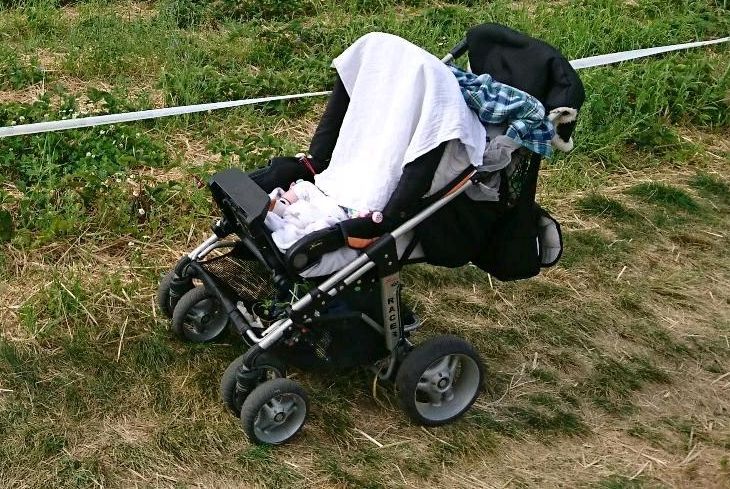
459 49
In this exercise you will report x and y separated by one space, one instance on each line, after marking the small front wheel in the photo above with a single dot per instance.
167 298
274 412
268 366
439 380
199 316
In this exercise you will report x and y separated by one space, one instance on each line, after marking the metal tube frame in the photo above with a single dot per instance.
351 272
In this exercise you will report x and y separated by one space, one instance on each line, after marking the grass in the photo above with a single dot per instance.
665 195
615 355
711 186
602 206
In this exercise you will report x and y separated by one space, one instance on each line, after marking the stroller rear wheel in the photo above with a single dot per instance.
199 316
274 412
269 366
439 380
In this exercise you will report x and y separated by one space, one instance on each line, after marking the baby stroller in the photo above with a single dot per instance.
355 316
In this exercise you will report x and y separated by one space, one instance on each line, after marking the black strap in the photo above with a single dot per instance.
409 249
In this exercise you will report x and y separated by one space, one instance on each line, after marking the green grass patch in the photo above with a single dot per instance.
646 432
665 195
261 462
544 375
613 381
622 482
591 247
551 421
711 186
64 177
601 206
346 474
563 326
16 73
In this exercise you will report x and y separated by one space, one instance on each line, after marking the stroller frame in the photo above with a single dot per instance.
381 255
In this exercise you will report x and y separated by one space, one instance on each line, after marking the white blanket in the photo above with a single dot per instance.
404 102
312 212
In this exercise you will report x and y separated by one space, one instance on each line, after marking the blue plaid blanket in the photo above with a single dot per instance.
497 103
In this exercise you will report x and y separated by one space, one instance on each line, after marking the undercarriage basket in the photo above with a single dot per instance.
247 277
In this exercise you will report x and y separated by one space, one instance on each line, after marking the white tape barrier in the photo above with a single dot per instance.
100 120
607 59
51 126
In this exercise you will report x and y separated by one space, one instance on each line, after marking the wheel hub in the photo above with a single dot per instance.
279 417
443 383
439 389
205 320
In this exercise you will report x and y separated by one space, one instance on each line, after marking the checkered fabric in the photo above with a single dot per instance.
497 103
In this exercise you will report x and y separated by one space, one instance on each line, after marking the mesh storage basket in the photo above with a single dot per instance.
247 277
519 178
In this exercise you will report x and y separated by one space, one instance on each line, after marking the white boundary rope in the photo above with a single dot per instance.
100 120
607 59
52 126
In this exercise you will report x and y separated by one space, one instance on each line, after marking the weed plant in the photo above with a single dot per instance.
74 178
18 73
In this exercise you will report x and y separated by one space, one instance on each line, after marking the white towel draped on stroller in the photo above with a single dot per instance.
404 102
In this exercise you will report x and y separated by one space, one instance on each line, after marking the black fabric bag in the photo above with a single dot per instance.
512 253
458 232
525 239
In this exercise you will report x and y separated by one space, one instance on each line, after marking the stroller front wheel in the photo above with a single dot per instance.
269 367
274 412
439 380
199 316
167 298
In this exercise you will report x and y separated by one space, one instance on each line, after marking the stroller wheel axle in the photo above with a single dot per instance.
232 393
172 287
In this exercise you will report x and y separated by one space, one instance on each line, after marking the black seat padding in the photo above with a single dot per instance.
309 249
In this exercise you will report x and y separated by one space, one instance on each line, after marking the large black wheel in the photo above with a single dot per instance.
439 380
166 299
274 412
269 367
199 316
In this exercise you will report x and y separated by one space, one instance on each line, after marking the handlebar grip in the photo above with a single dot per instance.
459 49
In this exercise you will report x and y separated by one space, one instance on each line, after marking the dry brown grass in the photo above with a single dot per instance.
476 458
